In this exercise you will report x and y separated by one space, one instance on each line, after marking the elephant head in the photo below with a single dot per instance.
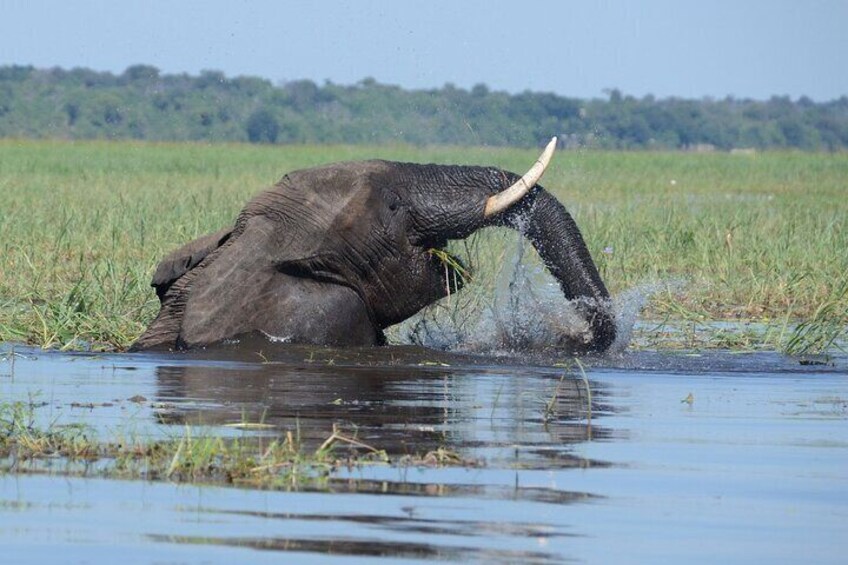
335 254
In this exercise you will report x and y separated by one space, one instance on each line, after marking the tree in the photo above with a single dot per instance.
142 102
262 127
141 73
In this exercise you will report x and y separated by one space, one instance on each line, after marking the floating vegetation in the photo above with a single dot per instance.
252 460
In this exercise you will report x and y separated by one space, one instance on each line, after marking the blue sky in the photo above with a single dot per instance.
745 48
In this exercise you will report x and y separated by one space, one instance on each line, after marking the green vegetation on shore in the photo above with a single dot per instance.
757 237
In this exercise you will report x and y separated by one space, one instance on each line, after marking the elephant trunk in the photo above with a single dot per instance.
452 201
556 237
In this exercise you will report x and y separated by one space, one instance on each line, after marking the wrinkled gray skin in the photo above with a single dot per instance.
334 255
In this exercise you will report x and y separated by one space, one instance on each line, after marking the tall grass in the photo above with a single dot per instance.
82 225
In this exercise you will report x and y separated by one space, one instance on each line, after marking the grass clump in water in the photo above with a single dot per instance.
20 435
825 328
255 461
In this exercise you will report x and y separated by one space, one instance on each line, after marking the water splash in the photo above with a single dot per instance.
523 311
629 303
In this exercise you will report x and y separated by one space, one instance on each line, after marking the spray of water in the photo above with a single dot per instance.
522 311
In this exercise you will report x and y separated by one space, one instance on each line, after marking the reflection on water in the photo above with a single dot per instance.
676 457
477 412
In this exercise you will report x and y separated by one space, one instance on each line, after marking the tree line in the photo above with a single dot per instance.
143 103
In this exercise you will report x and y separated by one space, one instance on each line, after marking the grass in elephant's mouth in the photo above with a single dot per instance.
758 238
456 273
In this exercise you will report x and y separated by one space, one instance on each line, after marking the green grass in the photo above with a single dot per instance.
280 461
755 237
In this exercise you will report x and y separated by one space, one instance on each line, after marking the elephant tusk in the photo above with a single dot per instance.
506 198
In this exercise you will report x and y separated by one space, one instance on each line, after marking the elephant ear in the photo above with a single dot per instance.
184 259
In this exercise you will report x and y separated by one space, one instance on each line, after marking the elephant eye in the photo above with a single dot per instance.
393 200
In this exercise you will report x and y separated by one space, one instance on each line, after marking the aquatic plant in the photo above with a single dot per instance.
279 461
827 325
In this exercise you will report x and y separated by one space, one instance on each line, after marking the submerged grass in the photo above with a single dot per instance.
754 237
255 461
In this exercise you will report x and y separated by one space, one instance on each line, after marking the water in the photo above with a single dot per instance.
716 457
514 305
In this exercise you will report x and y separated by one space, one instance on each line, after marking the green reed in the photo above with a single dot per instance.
755 237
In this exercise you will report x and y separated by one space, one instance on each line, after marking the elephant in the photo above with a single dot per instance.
334 255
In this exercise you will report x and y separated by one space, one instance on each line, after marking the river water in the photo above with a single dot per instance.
713 457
